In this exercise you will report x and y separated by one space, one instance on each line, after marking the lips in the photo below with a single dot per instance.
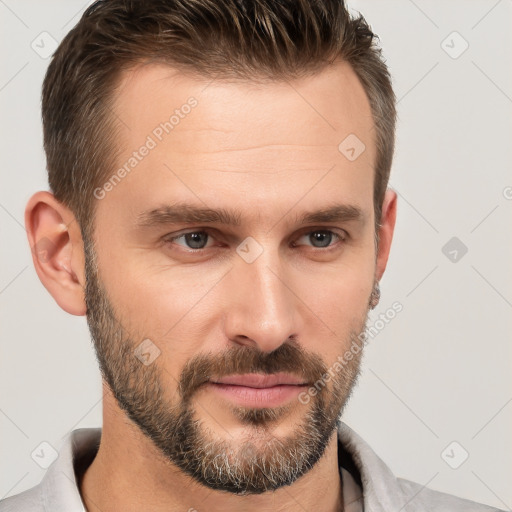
260 381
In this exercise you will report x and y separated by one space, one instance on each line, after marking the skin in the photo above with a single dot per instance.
270 151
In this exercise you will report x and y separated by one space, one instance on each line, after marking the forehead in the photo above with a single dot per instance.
327 105
209 139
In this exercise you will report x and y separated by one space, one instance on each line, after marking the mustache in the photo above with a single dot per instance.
288 357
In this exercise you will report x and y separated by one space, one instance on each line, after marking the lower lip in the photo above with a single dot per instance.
257 397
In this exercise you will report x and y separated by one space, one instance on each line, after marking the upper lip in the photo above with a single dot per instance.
258 380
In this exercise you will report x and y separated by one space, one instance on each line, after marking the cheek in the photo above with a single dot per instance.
339 296
168 305
338 307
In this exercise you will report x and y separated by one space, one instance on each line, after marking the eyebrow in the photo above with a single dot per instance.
184 213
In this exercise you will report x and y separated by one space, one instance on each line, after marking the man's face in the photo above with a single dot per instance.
188 315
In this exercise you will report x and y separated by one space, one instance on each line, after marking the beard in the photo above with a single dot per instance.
262 462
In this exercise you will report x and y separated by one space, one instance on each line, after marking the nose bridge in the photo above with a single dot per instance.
261 311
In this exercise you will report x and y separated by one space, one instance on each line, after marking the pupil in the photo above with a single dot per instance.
323 237
195 240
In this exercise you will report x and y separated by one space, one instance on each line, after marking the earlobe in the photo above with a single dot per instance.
386 230
57 251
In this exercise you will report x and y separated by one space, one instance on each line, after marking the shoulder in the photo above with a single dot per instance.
423 498
26 501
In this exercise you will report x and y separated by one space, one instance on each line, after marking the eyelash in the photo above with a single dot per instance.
341 238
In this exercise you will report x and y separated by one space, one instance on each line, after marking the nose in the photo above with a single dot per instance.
261 310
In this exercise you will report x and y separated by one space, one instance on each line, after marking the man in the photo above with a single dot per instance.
220 212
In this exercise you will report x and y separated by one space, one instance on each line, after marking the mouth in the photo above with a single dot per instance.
258 390
259 380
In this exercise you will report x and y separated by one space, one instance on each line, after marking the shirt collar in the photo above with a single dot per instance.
381 490
59 485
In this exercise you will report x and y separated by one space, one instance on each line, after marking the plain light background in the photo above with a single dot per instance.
439 372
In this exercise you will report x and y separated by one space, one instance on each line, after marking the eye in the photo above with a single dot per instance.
194 239
198 240
321 238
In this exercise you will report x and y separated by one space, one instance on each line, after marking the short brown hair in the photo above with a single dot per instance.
276 39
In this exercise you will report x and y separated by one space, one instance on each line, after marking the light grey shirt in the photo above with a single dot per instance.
368 483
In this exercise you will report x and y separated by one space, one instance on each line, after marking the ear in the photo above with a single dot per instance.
386 230
57 251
